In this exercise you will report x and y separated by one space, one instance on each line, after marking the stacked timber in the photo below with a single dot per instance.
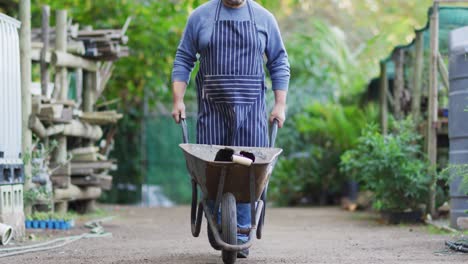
90 168
65 112
106 44
98 44
87 166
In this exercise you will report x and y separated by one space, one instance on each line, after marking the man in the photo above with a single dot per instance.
231 37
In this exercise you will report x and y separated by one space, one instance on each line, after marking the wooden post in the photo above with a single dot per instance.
62 82
26 138
91 81
417 76
45 48
433 106
383 98
25 50
79 87
399 82
91 84
61 45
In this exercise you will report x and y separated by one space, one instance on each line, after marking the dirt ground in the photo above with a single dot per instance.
300 235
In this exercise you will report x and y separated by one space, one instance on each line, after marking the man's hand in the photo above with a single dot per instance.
178 106
178 111
279 110
278 113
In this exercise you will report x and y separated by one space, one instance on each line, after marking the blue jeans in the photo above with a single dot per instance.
243 218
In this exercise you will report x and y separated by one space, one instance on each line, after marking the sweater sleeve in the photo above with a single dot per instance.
186 55
277 64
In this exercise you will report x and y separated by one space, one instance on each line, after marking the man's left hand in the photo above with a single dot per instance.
278 113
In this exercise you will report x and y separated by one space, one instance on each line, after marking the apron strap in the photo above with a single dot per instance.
218 11
252 17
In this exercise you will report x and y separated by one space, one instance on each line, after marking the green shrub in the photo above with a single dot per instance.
391 166
453 173
40 216
309 170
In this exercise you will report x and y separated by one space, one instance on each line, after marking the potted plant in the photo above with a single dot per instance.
42 218
60 222
392 167
67 218
50 221
55 221
28 222
35 221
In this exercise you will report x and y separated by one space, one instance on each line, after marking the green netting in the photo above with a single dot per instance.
450 18
72 86
165 161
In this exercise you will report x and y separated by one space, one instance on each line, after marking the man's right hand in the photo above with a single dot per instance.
178 106
178 111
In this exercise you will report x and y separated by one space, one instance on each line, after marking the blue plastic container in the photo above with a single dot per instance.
28 224
56 224
35 224
445 112
63 225
50 224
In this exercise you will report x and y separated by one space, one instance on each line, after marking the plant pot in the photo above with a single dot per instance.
28 224
63 225
35 224
43 224
50 224
445 112
394 217
67 225
56 224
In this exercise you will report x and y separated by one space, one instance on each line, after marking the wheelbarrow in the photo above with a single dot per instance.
228 175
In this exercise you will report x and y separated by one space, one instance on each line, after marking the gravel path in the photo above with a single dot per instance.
300 235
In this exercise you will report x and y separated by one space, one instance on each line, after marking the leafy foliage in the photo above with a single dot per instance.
456 172
325 132
153 39
154 34
390 166
328 64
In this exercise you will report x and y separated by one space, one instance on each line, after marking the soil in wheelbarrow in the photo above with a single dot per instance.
298 235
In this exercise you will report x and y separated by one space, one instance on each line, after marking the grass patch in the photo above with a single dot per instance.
98 213
437 231
365 216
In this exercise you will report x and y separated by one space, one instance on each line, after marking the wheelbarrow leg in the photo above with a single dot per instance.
196 216
261 221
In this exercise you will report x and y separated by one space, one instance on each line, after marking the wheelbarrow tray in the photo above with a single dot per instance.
206 172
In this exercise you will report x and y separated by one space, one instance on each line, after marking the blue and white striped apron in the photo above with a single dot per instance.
231 86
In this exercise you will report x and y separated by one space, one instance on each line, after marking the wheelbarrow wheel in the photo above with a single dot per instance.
229 226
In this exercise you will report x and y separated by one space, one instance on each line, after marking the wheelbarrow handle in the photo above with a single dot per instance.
183 124
274 132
